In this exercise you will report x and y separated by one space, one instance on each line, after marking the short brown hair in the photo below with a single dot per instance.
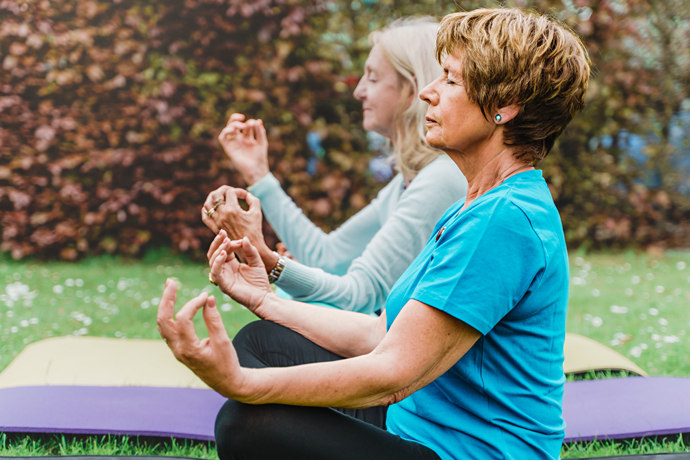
516 57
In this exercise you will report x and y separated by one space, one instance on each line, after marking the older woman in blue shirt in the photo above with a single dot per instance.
468 353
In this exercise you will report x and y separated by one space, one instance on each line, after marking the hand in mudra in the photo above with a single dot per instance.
245 283
213 359
246 144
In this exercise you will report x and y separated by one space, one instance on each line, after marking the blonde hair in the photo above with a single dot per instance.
408 44
514 57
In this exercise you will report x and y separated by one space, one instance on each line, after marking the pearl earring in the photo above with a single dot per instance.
498 118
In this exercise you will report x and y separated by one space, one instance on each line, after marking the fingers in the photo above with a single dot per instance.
236 117
183 319
259 131
224 246
215 244
214 322
251 254
230 197
232 130
210 223
252 201
166 310
225 255
214 196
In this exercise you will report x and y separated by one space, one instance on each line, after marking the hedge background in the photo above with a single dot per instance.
109 112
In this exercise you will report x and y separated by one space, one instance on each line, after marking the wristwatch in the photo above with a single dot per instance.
277 270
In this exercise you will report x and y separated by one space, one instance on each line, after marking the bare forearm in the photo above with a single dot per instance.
352 383
344 333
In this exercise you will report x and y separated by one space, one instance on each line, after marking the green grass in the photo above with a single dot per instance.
30 446
610 448
104 297
635 303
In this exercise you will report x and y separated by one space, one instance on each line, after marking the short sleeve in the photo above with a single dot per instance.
483 264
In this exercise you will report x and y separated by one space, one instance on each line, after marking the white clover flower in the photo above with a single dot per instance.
681 265
636 352
659 289
69 282
653 311
145 304
57 289
635 279
226 307
101 288
595 292
663 322
79 282
596 321
618 310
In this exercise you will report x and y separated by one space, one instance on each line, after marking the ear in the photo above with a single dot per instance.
506 113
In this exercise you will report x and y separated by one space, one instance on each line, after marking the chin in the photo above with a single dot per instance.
434 141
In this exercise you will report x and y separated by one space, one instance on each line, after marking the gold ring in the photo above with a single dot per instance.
210 278
210 212
218 205
229 137
218 200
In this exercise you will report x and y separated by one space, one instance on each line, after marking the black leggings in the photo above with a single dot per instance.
276 431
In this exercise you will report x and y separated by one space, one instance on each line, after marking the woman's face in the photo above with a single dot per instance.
380 91
453 122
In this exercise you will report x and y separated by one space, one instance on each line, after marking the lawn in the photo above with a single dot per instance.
635 303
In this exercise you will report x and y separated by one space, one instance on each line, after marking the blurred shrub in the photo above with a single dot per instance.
109 112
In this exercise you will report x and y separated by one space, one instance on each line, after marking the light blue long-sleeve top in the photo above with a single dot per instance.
355 266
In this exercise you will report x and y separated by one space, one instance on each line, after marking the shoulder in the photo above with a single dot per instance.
392 189
443 172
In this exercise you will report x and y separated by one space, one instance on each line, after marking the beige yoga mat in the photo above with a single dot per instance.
98 361
583 354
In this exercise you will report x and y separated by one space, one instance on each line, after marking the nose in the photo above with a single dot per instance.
360 93
429 94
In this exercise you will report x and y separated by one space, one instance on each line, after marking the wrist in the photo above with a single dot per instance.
267 305
269 258
255 177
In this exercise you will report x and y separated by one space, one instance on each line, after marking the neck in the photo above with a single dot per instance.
487 170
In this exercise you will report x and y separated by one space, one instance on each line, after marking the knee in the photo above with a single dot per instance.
231 430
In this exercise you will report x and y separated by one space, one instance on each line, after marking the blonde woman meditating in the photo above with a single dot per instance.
467 358
355 266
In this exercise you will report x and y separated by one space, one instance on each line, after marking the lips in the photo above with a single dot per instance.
430 120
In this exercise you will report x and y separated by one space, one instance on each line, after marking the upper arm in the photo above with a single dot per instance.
420 346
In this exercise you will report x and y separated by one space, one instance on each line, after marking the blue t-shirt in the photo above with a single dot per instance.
500 266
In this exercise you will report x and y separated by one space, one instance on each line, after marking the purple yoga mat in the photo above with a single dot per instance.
629 407
602 409
138 411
